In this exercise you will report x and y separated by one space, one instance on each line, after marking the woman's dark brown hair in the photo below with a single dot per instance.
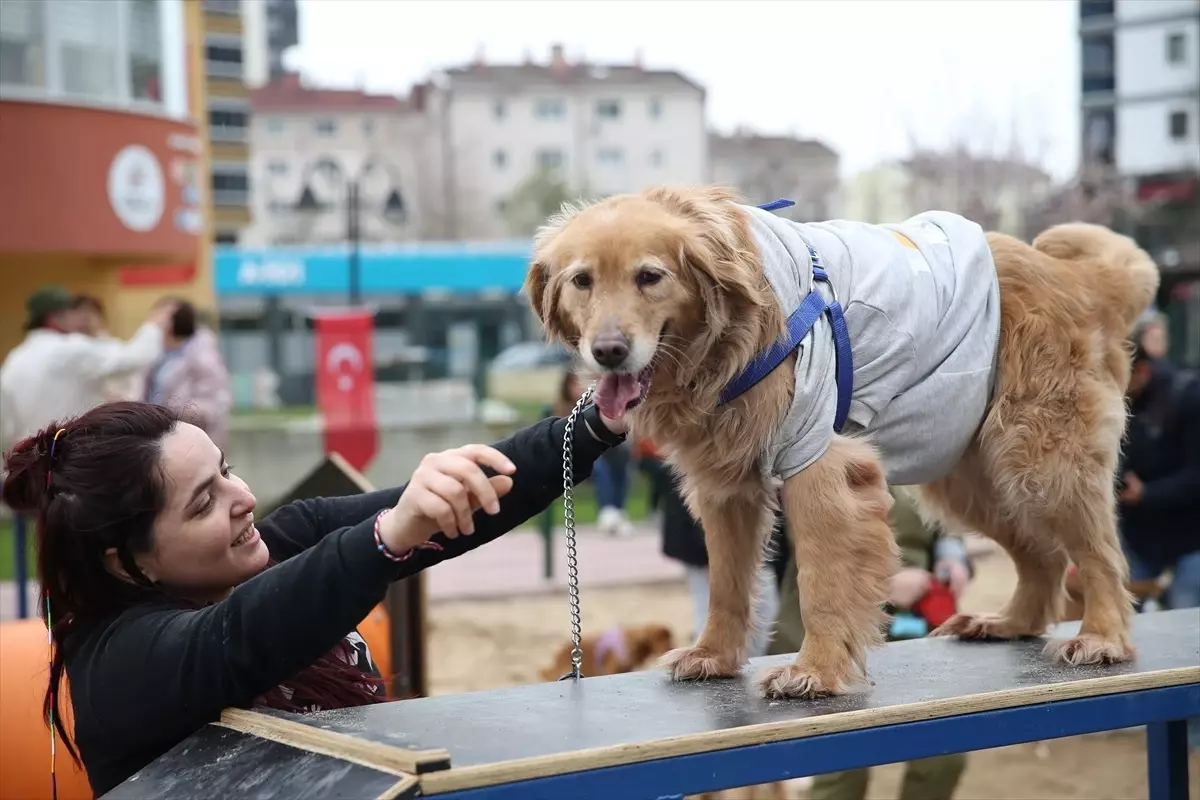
94 483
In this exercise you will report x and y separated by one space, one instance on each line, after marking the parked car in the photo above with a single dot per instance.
527 372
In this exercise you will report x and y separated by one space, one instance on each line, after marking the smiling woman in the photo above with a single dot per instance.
169 602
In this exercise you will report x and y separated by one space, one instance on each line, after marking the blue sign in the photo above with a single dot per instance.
416 269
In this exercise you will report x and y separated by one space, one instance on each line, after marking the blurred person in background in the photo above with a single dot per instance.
191 374
1159 477
934 568
57 372
90 320
1150 331
683 541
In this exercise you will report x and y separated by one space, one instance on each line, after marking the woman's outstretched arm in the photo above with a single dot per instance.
536 451
195 663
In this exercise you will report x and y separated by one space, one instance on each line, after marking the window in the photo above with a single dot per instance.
223 60
277 167
87 34
226 237
145 51
1178 124
656 158
230 188
22 44
325 127
1098 56
1098 136
608 109
275 125
550 108
610 156
1176 48
227 126
499 109
368 127
500 159
654 108
549 159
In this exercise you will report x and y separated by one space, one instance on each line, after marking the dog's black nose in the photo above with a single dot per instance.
610 350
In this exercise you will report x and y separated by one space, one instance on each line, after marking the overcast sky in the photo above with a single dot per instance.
865 76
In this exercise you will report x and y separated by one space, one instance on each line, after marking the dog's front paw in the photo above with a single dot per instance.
792 681
699 663
1089 648
982 627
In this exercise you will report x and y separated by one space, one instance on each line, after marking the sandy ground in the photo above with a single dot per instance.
488 644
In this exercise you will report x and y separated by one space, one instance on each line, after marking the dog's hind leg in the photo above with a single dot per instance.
737 521
846 555
967 498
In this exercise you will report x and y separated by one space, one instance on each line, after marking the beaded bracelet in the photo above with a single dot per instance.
407 554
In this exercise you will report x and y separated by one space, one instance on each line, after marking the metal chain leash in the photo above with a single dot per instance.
569 523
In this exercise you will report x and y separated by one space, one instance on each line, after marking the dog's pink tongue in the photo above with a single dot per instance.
615 392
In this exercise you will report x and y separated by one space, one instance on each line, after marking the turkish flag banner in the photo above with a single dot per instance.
345 379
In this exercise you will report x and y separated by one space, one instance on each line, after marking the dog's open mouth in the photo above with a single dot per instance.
617 393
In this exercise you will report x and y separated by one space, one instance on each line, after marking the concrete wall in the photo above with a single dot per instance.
271 460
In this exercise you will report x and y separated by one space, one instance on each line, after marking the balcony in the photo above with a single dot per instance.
238 198
226 7
229 133
1093 84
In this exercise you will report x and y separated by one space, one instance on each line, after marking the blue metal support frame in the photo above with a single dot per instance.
1162 710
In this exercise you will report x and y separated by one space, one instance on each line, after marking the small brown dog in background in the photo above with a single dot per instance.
617 650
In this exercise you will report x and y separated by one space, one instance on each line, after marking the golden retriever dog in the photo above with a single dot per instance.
990 371
617 650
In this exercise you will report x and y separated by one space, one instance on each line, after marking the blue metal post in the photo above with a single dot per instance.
1166 751
22 566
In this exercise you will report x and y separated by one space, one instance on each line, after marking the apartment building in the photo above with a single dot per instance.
764 168
228 118
323 156
270 27
515 139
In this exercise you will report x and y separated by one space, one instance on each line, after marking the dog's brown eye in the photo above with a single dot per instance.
648 277
582 280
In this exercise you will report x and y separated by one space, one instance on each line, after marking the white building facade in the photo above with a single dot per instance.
590 130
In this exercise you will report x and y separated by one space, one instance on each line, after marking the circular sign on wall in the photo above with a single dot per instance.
136 188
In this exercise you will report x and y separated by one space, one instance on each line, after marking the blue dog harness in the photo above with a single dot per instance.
799 324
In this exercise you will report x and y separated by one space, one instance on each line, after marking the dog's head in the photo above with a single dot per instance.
649 284
648 641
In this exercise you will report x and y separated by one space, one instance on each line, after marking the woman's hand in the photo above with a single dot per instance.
443 494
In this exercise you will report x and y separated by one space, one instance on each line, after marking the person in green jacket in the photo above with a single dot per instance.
925 552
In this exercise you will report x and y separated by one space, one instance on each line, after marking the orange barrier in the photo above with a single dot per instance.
24 736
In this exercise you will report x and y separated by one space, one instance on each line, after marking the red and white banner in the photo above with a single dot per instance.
345 378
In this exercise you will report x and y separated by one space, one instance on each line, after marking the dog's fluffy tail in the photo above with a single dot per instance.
1124 273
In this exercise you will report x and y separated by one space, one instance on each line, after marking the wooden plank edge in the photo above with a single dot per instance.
376 755
476 776
356 477
407 788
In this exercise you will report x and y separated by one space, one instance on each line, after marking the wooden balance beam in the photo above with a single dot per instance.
638 735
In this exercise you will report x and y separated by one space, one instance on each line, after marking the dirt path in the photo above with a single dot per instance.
489 644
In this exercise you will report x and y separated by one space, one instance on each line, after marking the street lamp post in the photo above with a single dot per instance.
393 210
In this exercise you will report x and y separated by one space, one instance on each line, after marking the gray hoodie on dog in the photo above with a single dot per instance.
923 312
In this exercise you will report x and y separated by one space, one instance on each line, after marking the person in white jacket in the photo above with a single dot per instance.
57 373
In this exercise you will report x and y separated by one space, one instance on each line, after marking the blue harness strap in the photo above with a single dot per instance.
799 324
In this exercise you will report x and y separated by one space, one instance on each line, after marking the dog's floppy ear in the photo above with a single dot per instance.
543 297
718 248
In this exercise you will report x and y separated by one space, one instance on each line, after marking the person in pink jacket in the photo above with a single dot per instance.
191 375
